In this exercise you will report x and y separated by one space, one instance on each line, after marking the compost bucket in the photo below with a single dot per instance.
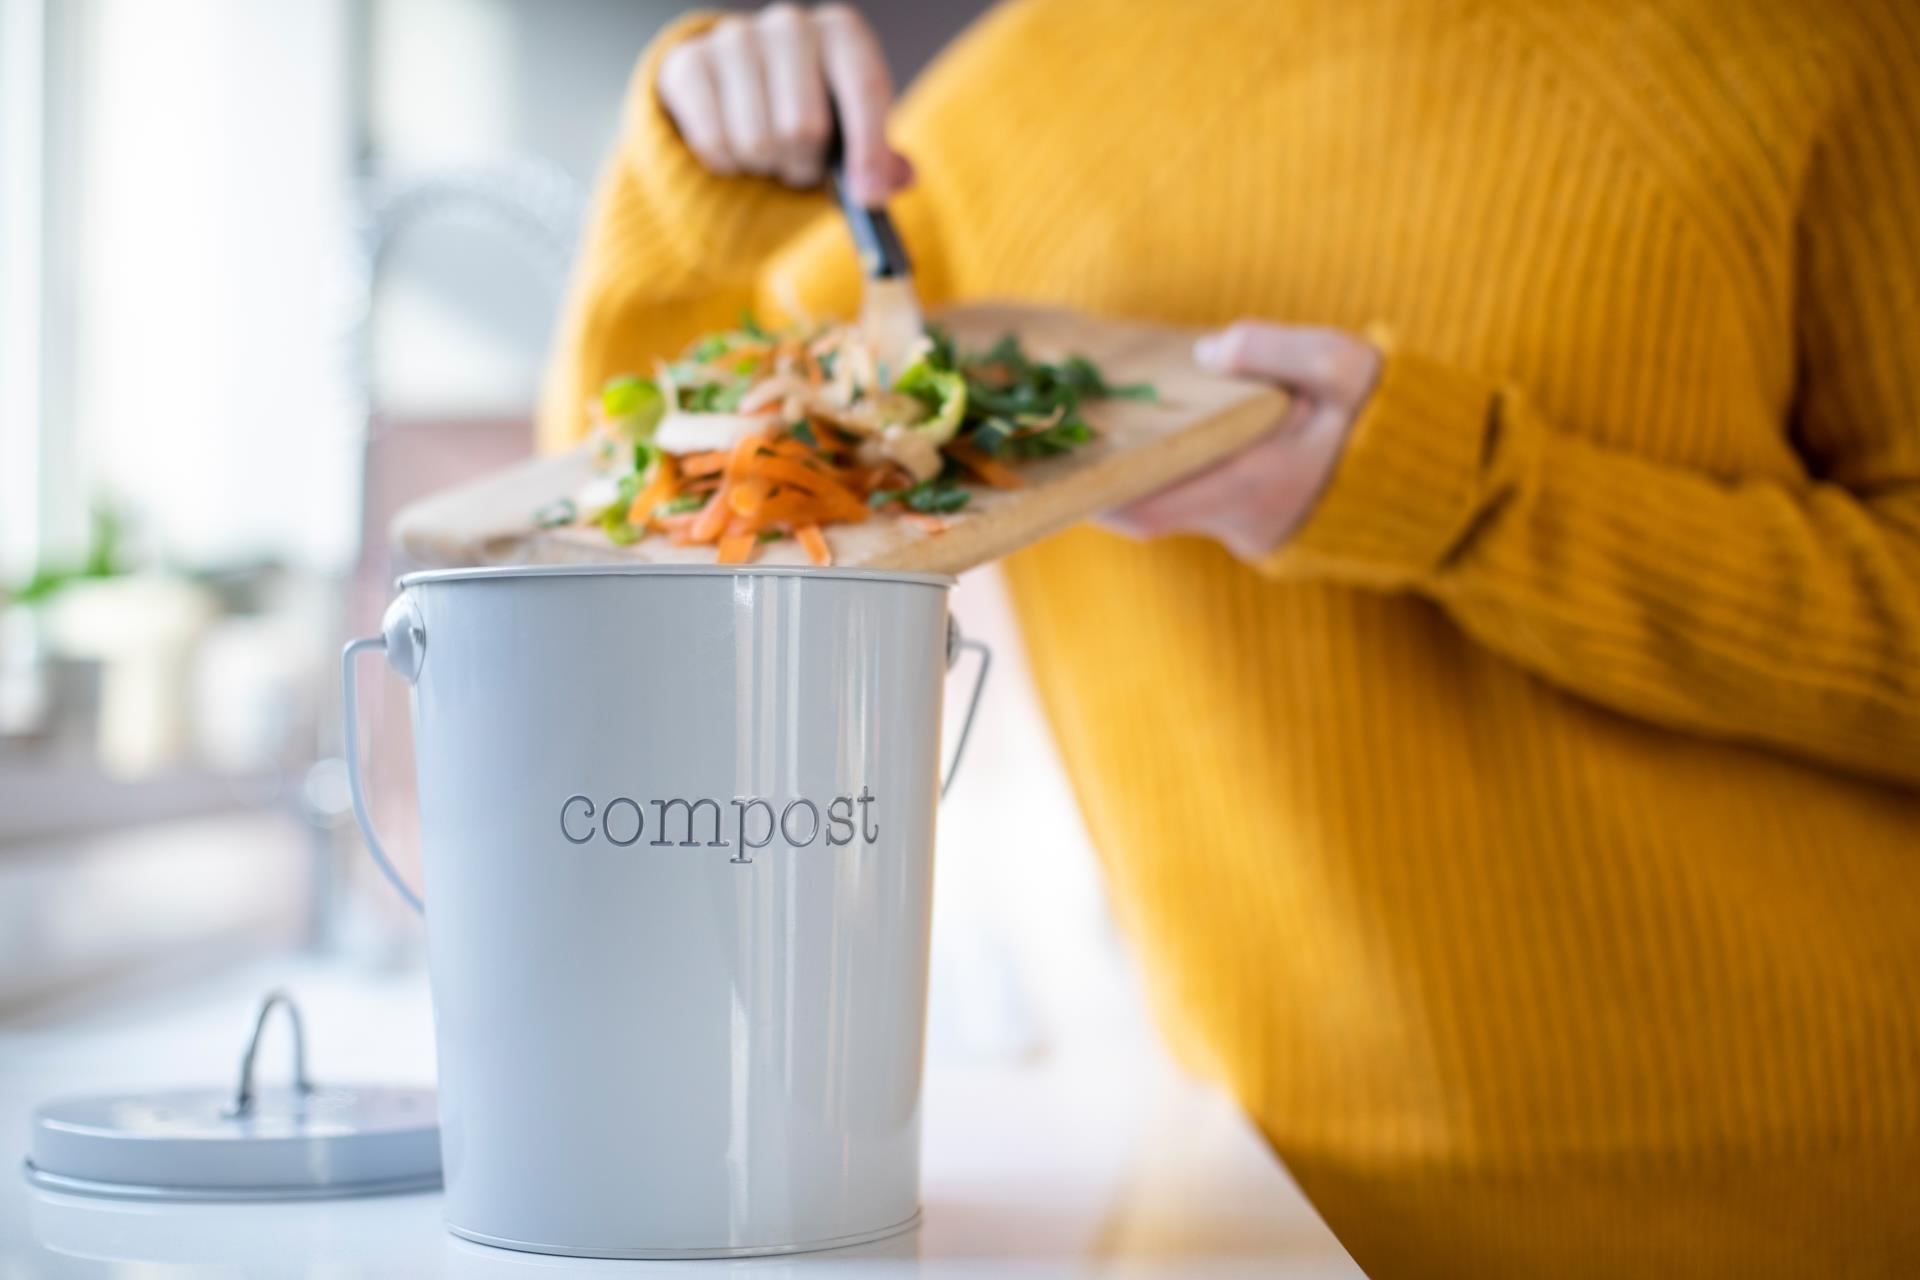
678 849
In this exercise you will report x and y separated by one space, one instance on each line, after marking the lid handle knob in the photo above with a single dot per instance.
243 1097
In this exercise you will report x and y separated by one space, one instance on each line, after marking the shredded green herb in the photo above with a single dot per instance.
751 327
722 396
1019 407
941 496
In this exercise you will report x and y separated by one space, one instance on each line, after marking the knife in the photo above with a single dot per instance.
890 318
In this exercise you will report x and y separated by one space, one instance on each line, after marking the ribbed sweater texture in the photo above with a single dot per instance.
1533 844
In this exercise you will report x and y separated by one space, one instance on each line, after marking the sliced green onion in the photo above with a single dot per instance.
681 505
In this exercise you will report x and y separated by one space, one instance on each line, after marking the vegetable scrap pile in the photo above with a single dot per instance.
754 436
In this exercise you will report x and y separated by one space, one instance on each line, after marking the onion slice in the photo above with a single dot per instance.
684 432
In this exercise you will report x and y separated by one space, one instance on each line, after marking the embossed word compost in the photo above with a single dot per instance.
754 822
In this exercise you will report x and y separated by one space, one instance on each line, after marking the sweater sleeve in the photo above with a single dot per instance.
1785 614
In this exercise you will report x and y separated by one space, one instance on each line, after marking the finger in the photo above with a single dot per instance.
796 94
1287 482
1191 505
862 93
688 92
900 171
1191 495
743 94
1250 501
1326 363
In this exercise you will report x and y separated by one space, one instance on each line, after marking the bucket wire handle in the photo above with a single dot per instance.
349 730
956 644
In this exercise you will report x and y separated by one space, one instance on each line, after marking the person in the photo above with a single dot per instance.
1510 767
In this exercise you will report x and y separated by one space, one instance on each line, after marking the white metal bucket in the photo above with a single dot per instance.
678 835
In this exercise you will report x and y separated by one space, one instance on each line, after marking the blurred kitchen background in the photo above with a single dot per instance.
268 270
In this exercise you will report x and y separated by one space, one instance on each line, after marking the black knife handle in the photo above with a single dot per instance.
875 240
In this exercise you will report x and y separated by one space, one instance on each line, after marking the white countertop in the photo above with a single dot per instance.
1098 1161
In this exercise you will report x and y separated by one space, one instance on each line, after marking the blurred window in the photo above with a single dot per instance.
179 283
23 127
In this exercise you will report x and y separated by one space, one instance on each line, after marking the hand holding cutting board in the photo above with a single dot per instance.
1253 500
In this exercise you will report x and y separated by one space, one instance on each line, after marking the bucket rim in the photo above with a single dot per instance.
487 573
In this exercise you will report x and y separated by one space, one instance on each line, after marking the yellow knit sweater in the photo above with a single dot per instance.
1533 846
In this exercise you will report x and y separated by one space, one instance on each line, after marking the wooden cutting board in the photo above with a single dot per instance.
1198 419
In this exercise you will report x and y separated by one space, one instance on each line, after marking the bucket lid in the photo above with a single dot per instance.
301 1141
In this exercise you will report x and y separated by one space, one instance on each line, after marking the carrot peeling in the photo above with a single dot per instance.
711 521
815 543
740 460
710 463
749 495
658 489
